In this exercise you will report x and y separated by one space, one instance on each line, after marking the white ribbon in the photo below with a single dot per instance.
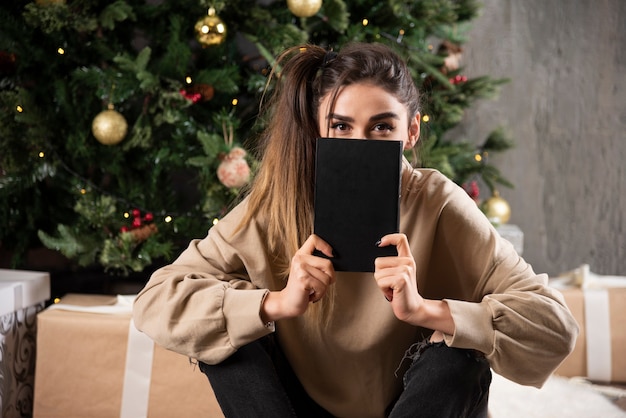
595 289
139 355
598 331
123 305
137 375
583 278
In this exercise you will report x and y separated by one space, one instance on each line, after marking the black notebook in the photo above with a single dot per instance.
357 198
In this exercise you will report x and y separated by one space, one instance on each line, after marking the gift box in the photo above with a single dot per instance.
22 295
93 362
598 303
513 234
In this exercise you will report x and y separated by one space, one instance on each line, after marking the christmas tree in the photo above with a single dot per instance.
125 124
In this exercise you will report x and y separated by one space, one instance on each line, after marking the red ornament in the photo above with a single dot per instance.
139 221
194 97
472 190
458 79
205 91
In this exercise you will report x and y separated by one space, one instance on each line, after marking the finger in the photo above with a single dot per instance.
399 264
315 291
386 286
318 268
400 241
313 243
314 295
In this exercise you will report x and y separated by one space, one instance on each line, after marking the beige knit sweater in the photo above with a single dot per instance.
206 304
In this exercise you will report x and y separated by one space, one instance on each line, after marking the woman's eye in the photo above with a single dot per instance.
382 127
339 126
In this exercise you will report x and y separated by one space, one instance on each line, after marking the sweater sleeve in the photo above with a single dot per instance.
204 305
523 326
500 306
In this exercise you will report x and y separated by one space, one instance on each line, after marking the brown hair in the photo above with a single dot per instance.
283 191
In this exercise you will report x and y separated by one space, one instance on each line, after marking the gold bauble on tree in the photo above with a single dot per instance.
304 8
210 30
109 126
497 209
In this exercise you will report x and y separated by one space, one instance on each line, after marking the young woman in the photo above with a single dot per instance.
279 333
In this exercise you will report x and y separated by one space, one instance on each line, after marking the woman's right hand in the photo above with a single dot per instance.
309 278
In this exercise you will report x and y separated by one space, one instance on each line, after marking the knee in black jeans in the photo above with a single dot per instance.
246 384
441 382
444 382
257 381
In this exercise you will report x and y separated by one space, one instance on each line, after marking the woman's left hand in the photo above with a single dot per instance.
396 278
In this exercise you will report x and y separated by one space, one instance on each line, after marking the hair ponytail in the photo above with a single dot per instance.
282 192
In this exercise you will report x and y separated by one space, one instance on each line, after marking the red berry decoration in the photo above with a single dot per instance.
458 79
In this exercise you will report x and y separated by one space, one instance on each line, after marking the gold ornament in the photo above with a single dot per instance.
497 209
210 30
109 126
304 8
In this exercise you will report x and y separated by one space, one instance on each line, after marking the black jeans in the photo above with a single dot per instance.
257 381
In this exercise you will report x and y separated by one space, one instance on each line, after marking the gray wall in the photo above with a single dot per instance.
565 107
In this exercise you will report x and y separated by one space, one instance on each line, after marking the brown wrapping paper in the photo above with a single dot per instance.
81 360
575 365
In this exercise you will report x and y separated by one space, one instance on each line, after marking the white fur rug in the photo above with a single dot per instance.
559 398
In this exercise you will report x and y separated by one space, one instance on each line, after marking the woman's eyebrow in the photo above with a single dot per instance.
340 117
379 116
385 115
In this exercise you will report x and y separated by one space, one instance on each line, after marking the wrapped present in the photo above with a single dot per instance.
513 234
22 295
93 362
598 304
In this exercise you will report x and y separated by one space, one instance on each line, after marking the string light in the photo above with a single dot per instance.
41 154
61 51
235 102
400 36
478 157
365 22
425 118
19 108
126 215
188 80
83 191
215 221
168 219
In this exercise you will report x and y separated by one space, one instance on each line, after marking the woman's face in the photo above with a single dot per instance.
366 111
